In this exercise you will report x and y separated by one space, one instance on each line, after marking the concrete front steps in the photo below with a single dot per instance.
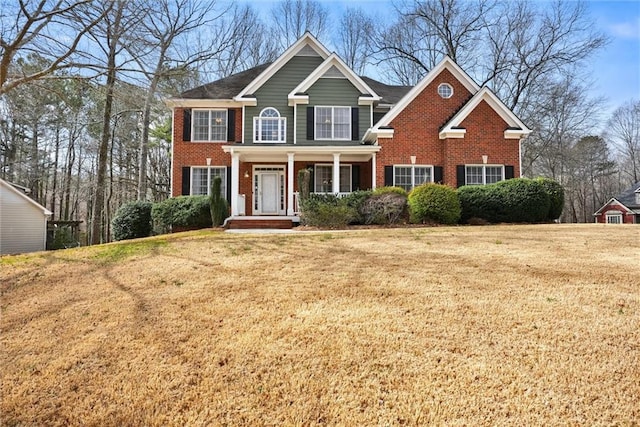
261 222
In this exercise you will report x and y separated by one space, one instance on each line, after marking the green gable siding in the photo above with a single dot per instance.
275 91
333 93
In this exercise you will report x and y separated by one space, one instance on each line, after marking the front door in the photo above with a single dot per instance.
269 191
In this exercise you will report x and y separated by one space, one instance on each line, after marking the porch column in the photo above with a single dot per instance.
235 181
290 189
336 173
373 171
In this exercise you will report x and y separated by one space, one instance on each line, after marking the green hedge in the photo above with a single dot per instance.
556 197
513 200
434 203
327 210
132 220
191 212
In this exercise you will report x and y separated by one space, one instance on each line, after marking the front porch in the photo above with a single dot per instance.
263 180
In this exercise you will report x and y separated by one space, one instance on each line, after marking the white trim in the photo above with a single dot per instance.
413 173
448 64
334 180
257 171
209 110
485 94
614 214
613 202
484 172
306 40
205 103
333 60
173 150
290 176
281 125
209 179
445 85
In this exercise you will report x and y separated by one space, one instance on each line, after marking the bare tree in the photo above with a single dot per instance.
291 18
354 38
624 132
31 26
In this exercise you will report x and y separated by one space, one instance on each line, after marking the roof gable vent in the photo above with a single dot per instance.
333 73
307 51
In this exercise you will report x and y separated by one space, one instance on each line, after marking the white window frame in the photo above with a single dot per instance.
332 123
445 86
484 174
281 127
413 175
330 182
210 126
210 177
614 214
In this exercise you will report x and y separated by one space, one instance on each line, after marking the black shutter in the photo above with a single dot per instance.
508 172
437 174
460 174
186 124
355 177
231 125
388 176
229 185
310 123
355 128
311 178
186 181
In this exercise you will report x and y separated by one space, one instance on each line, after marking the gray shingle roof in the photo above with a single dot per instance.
628 196
231 86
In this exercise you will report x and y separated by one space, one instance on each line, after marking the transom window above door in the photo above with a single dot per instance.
333 123
269 127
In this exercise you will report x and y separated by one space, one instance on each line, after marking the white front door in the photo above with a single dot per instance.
269 191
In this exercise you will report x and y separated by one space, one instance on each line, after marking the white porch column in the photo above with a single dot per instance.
290 189
336 173
373 171
235 183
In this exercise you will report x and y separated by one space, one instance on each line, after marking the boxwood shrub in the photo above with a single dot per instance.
184 212
556 197
132 220
327 210
434 203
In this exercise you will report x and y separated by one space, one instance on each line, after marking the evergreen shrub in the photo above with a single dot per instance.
132 220
434 203
187 212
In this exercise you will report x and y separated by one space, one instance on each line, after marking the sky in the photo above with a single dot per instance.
614 72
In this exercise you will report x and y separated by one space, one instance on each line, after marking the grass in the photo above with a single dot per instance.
500 325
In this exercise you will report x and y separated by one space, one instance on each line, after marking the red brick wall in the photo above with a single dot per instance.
417 128
626 219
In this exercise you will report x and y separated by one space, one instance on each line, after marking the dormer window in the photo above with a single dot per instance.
269 127
445 91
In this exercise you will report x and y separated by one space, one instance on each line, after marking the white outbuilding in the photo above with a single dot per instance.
23 221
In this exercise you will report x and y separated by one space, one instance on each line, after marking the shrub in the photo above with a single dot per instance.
304 183
385 208
356 201
556 197
434 203
388 189
132 220
190 212
217 204
326 210
513 200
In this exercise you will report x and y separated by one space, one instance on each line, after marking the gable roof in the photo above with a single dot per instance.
10 187
227 87
626 199
516 129
390 94
448 64
298 95
305 42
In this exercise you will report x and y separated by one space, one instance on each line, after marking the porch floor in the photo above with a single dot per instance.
257 222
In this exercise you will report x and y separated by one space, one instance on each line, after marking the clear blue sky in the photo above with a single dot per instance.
615 71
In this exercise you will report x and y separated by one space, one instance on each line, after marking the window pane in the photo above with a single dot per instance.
323 177
200 125
342 123
222 173
493 174
323 123
422 175
198 181
402 177
345 179
474 175
219 125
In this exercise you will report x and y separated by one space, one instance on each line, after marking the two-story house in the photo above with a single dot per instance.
308 109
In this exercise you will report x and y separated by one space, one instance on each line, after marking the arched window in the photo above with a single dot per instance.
269 126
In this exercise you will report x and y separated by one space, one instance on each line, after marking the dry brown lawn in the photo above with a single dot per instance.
500 325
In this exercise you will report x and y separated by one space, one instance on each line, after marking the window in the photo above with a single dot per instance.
333 123
614 217
445 90
482 174
209 125
269 126
323 179
411 176
202 179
